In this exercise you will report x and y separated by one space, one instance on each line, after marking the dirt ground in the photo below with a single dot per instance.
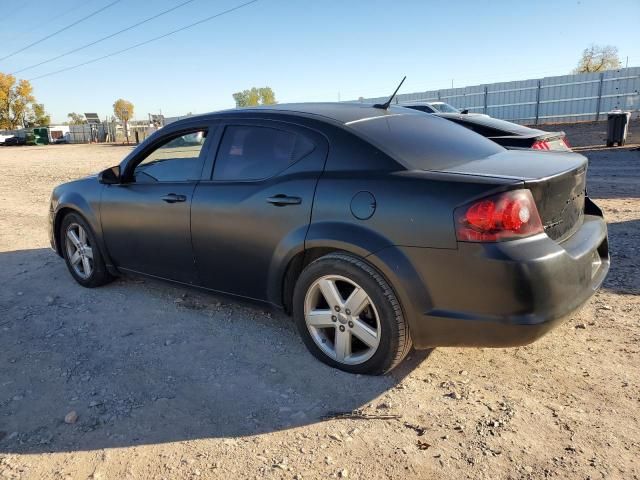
591 134
173 383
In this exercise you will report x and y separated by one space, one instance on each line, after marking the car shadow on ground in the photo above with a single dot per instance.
141 362
624 238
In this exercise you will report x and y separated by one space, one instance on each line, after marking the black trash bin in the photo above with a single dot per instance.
617 127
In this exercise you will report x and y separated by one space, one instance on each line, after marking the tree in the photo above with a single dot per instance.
76 118
255 96
267 96
598 58
123 110
16 101
37 117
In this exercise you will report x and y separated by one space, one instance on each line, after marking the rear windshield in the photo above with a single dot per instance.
445 108
425 142
497 124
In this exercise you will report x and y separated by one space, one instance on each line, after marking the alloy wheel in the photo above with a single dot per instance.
342 319
79 250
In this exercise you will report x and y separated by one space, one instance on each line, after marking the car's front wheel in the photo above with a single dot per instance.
81 252
349 317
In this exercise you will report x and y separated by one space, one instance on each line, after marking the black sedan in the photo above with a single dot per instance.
13 141
377 228
507 134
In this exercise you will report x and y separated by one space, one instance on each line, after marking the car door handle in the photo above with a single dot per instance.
281 200
173 198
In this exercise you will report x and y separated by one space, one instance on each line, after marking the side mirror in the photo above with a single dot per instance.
465 111
110 176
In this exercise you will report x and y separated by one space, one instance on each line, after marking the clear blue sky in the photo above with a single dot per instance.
314 50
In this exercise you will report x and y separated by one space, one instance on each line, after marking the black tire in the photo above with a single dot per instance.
395 339
99 275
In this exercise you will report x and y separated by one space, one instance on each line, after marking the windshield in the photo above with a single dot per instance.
444 108
425 142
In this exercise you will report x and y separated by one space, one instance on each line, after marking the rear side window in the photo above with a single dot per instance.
425 142
255 153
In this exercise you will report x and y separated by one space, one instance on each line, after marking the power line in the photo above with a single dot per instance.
104 38
49 20
146 41
15 11
61 30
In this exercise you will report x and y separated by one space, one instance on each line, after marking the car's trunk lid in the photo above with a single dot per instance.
557 182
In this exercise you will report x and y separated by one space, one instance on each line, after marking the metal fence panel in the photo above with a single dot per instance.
563 98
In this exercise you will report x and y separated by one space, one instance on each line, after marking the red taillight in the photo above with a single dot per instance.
566 142
504 216
540 145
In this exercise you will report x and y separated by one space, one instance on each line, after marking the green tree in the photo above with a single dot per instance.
76 118
267 96
16 99
255 96
37 117
598 58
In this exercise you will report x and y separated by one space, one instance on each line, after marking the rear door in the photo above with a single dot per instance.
146 219
256 206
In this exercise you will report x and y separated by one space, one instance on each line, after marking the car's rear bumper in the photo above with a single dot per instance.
497 294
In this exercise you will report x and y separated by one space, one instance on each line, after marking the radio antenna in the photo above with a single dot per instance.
385 105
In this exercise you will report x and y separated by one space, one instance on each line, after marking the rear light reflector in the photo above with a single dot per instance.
540 145
505 216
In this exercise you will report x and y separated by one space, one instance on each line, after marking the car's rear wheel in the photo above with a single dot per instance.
81 252
349 316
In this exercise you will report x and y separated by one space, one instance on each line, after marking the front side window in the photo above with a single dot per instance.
176 160
255 153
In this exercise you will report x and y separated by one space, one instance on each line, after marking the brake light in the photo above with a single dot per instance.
505 216
540 145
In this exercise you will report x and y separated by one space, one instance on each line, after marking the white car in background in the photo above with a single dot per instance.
4 137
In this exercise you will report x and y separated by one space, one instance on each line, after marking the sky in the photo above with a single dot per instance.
311 50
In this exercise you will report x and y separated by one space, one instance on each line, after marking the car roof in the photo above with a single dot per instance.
340 112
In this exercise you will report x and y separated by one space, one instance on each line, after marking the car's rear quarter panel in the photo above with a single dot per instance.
413 215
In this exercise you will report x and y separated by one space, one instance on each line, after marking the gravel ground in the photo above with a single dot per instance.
141 379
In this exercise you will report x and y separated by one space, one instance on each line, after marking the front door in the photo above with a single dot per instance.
257 205
145 219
